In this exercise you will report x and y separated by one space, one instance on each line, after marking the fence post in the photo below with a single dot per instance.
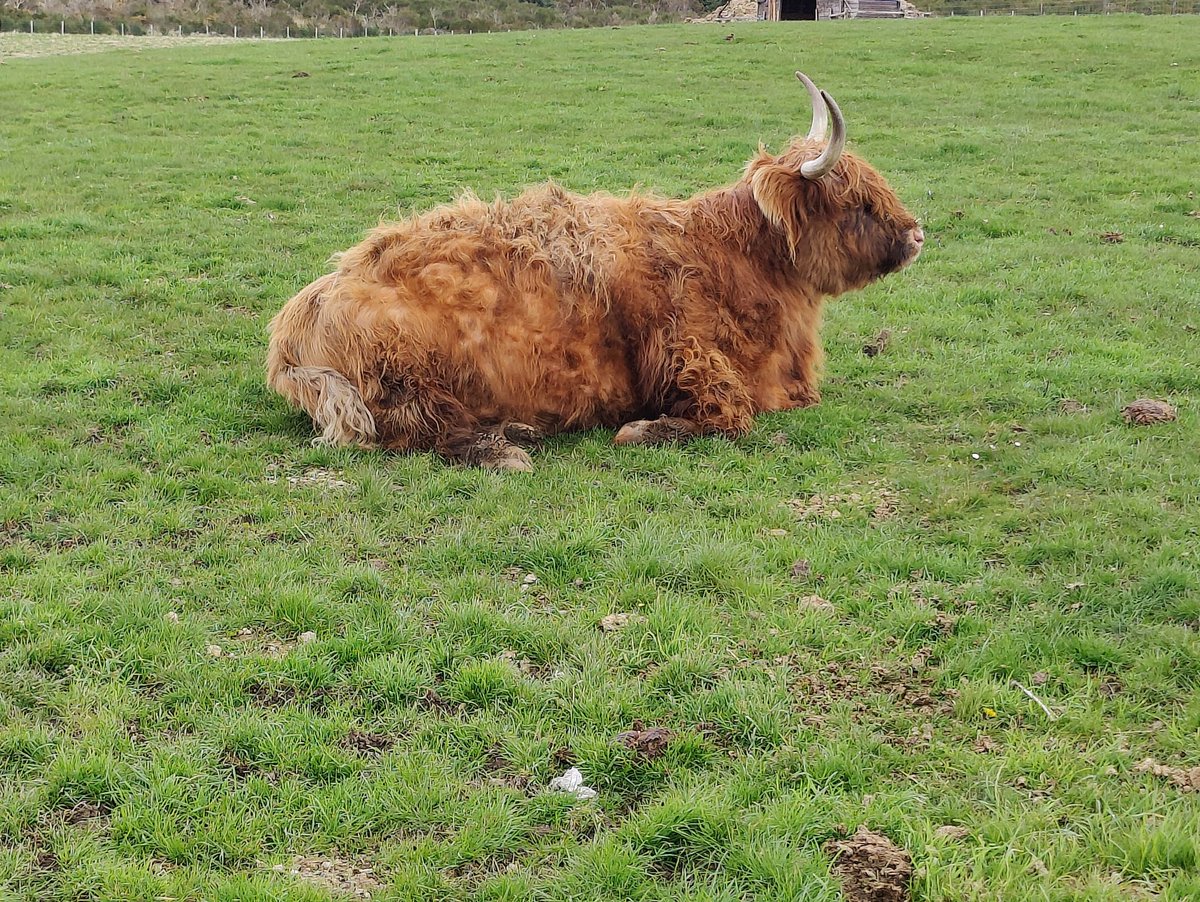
122 29
31 26
289 31
235 31
341 32
260 32
62 27
93 26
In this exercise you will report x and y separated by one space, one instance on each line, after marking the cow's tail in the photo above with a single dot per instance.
335 404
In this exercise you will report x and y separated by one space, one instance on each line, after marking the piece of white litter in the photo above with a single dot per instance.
572 782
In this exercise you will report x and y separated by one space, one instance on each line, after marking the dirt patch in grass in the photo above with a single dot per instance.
248 642
878 344
871 867
338 875
911 689
86 814
882 503
365 743
272 694
314 477
499 771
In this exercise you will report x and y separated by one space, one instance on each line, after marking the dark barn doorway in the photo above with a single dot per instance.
797 10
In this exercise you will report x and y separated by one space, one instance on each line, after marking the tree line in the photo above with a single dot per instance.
329 16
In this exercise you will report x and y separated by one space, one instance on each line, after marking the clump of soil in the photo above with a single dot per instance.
1148 412
871 867
1185 778
817 603
611 623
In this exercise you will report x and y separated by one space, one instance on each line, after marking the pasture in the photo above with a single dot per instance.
221 648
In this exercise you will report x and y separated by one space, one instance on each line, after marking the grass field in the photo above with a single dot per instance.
221 648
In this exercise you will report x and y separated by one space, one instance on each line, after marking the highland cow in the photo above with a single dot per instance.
474 329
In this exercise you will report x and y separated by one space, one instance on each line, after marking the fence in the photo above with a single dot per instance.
140 29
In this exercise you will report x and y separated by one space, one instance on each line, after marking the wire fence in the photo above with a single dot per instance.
367 28
262 32
1068 8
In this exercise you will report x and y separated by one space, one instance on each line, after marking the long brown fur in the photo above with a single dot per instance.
567 312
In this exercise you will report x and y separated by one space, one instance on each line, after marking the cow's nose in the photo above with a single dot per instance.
918 236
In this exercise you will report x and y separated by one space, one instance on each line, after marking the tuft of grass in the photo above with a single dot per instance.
996 524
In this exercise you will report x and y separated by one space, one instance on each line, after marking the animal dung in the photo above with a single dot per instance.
647 744
1148 412
871 867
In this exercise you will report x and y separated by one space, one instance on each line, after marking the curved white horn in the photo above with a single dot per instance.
815 169
820 119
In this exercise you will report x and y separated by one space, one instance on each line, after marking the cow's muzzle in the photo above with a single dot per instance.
914 240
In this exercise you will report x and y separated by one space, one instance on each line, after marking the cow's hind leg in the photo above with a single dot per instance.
420 414
712 400
486 448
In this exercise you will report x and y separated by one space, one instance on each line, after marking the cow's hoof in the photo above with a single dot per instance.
632 433
524 435
656 432
509 460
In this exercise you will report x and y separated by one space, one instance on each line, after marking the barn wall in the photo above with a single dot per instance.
826 9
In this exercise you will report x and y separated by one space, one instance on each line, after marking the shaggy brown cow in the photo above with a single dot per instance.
474 328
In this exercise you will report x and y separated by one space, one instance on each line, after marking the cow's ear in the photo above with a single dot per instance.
781 192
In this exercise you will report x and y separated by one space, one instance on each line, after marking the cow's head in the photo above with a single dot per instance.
844 225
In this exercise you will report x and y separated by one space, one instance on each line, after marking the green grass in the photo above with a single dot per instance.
156 209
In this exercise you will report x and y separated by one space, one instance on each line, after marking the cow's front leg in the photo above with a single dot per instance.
657 432
712 400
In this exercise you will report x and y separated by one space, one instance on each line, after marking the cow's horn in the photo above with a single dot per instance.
820 119
815 169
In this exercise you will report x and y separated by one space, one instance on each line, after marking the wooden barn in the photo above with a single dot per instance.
800 10
793 10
